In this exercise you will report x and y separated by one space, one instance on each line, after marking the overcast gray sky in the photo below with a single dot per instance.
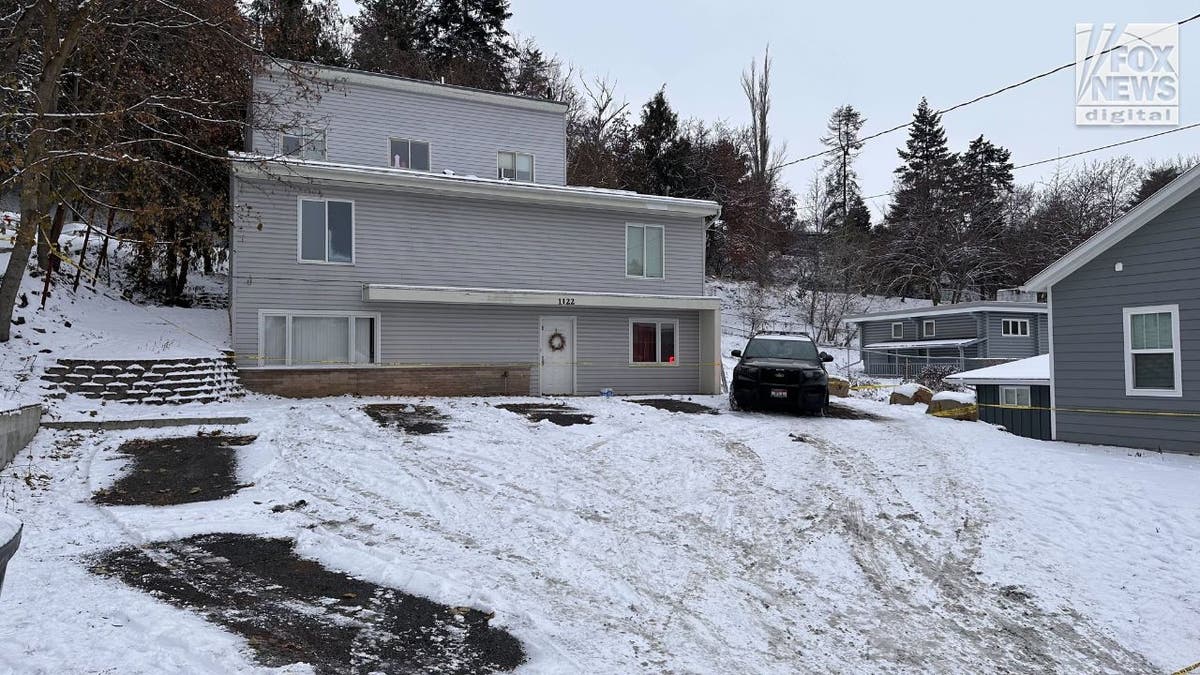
880 57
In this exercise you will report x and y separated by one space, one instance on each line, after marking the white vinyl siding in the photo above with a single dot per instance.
644 251
303 142
1015 396
653 341
404 153
1152 358
317 339
326 231
516 166
1014 327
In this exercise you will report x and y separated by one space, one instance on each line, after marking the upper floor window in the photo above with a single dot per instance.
408 154
929 328
303 142
1014 327
326 231
897 330
514 166
1152 365
644 251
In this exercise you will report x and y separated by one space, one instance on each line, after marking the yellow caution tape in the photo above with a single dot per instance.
1095 411
1188 669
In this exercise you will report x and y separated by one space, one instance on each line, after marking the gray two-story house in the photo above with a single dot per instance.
394 236
1125 327
901 343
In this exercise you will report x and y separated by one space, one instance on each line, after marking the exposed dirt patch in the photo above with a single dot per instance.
293 610
412 419
675 405
182 470
843 412
559 413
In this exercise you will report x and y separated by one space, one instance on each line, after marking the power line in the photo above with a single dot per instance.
982 97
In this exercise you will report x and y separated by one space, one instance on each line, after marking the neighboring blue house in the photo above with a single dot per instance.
901 343
1125 327
395 236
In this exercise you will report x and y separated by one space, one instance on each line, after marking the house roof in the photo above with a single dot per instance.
957 308
1169 195
260 166
920 344
350 76
1033 370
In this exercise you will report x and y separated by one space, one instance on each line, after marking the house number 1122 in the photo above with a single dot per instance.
566 301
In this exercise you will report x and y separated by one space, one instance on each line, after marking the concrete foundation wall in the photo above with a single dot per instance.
17 428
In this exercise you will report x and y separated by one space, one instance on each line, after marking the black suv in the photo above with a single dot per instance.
782 369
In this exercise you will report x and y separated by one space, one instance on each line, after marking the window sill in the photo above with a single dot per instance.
1154 393
656 364
325 262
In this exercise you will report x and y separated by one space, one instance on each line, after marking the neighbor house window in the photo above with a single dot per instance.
303 142
929 328
652 341
1014 327
1152 365
1015 396
644 251
316 339
514 166
897 330
326 231
408 154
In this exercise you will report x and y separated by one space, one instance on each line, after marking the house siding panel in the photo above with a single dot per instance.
1000 346
1033 423
1161 264
359 119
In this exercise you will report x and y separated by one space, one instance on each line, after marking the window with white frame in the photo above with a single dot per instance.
652 341
326 231
1152 359
929 328
897 330
644 251
1014 327
1015 396
404 153
315 339
514 166
303 142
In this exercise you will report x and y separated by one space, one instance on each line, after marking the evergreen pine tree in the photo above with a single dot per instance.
662 154
846 208
1156 178
393 37
469 44
301 30
984 182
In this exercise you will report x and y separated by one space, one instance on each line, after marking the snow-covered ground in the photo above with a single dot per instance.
653 541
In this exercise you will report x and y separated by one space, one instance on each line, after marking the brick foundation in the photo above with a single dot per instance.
388 381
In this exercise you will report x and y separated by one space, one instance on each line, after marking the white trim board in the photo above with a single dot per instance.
507 296
1176 351
997 306
1170 195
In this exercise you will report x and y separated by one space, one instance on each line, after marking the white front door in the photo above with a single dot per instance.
557 355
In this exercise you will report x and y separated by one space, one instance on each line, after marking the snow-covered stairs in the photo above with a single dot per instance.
151 381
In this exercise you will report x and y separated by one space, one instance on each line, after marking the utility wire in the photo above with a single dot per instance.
982 97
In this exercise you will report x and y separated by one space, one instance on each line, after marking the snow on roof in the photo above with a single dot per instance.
919 344
1033 370
256 165
957 308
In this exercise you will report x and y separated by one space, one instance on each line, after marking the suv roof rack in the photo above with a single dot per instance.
781 332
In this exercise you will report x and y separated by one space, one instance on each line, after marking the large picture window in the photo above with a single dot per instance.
316 339
644 251
326 231
1152 365
303 142
652 341
408 154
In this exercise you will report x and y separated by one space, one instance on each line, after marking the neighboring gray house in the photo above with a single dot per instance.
900 343
1125 327
395 236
